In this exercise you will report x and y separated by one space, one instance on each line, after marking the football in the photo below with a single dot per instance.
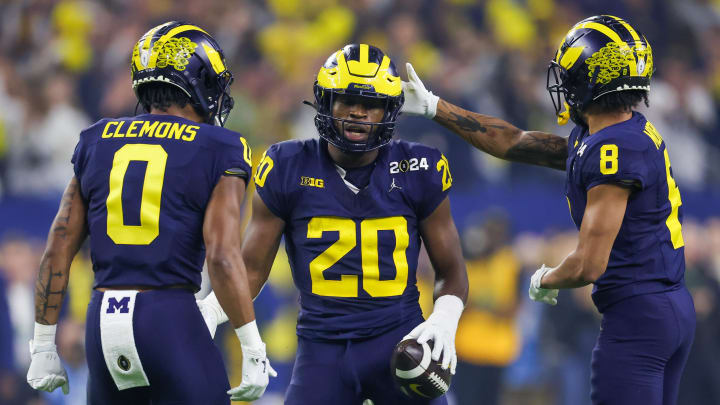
415 373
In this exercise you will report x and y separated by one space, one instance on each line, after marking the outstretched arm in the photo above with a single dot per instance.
502 139
489 134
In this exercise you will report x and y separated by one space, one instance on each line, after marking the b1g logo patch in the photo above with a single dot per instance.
312 182
411 165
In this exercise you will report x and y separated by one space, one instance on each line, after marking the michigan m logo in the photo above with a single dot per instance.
122 305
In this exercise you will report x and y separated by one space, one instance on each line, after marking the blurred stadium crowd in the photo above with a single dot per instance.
65 64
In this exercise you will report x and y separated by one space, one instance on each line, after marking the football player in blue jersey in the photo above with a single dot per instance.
623 199
354 207
157 193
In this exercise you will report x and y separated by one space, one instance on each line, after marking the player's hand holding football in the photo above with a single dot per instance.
46 373
537 293
418 100
440 327
256 368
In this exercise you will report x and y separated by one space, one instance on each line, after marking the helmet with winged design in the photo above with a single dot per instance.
187 57
599 55
359 70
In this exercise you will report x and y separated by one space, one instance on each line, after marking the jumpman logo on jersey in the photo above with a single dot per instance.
394 186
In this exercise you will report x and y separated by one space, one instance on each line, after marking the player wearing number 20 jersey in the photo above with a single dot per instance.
353 256
353 207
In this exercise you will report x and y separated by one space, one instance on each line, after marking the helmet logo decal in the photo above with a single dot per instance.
144 57
357 86
615 60
641 65
215 59
174 52
611 60
570 56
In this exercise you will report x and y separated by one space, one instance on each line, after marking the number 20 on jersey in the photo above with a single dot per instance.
348 285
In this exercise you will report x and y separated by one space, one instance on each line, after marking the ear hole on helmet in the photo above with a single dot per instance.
206 78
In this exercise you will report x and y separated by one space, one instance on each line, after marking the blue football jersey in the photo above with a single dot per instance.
648 254
353 256
146 181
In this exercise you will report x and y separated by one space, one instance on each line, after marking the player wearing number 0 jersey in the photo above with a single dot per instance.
622 197
156 174
353 208
155 193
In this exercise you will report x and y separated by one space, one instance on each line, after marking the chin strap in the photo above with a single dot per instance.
564 116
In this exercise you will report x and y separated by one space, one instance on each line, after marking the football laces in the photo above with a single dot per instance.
438 382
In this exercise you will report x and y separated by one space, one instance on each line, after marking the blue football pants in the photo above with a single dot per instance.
350 371
642 349
181 362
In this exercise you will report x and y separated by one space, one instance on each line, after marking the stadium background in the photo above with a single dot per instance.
64 64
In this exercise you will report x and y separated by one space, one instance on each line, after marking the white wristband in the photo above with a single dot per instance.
44 335
432 106
449 305
249 335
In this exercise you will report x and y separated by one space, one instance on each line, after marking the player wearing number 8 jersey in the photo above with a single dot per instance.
354 207
155 192
622 197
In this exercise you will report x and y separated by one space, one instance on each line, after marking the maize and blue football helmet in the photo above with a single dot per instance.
361 70
599 55
187 57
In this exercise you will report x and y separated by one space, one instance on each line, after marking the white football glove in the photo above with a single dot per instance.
46 373
537 293
256 373
418 100
256 368
212 312
440 327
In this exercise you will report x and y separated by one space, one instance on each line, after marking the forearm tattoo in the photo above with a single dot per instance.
51 285
50 290
471 124
473 128
541 149
503 140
